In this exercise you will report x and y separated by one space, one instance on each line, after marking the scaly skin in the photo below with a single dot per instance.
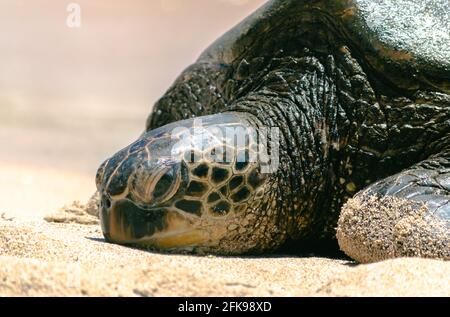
350 108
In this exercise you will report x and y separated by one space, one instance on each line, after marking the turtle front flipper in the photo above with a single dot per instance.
407 214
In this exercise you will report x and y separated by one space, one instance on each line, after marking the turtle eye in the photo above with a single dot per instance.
154 186
164 185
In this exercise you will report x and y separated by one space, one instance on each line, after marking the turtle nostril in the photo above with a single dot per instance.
105 205
105 202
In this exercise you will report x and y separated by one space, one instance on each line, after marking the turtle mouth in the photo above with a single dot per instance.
176 240
126 223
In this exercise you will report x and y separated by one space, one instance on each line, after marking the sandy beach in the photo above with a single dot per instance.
47 259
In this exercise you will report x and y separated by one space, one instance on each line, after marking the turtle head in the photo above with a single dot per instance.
191 185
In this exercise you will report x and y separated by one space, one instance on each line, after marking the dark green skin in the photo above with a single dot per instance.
358 104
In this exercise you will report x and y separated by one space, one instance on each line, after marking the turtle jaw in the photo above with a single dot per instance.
162 228
124 222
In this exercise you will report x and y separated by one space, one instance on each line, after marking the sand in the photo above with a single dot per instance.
66 258
49 259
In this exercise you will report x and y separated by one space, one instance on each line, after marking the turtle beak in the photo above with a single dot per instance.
124 222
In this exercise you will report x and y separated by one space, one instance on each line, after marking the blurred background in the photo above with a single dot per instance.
72 96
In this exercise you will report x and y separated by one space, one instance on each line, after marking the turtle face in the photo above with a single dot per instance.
182 186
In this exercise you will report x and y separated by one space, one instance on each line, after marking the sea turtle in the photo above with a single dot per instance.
304 105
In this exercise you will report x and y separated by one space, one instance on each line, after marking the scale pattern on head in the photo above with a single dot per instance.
217 180
220 187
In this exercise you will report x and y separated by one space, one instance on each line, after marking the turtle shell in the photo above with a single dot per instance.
405 42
